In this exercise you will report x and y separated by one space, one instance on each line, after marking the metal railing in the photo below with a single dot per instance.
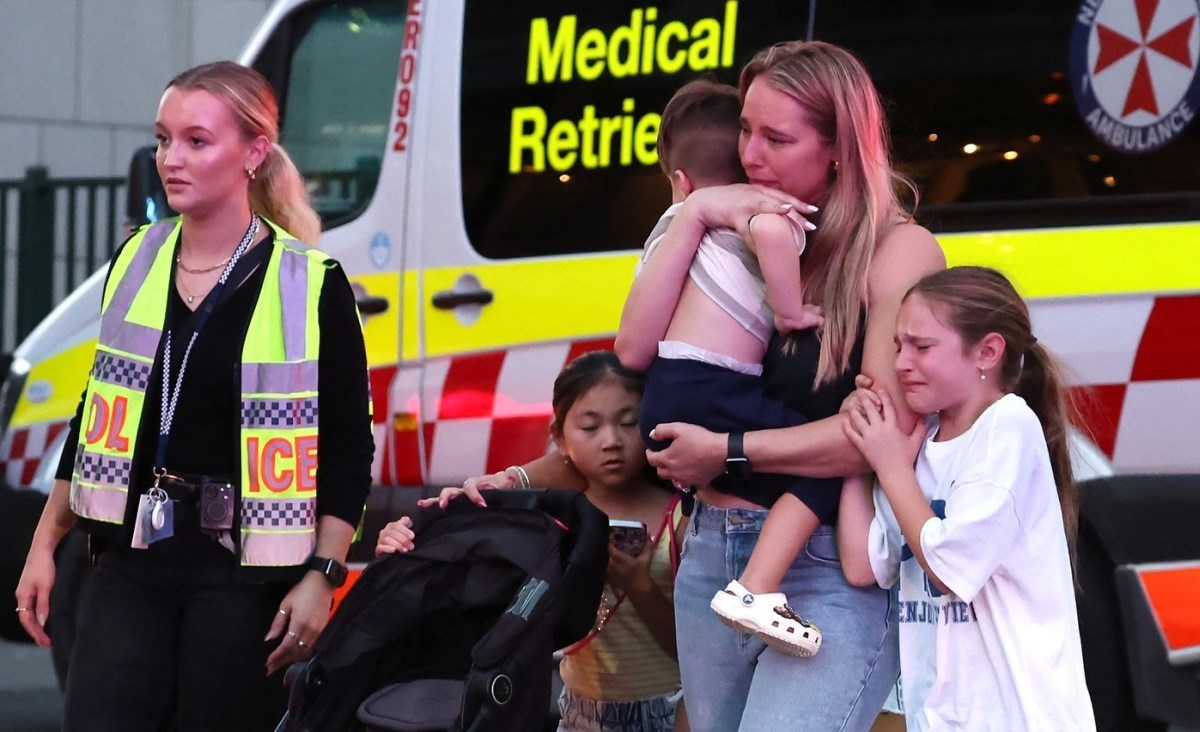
54 233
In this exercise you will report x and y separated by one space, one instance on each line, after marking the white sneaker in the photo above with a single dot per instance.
767 616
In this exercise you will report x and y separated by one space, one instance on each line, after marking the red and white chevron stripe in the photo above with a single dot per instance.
1139 357
1140 360
21 451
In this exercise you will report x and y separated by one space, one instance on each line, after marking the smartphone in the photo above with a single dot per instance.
629 537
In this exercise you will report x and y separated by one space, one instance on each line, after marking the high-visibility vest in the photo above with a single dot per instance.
277 494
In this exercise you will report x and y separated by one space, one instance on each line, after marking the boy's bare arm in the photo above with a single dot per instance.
655 293
773 241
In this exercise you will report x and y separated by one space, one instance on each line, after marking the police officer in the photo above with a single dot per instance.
220 458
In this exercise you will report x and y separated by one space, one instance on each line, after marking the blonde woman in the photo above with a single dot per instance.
814 144
219 499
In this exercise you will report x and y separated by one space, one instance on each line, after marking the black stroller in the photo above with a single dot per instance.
459 633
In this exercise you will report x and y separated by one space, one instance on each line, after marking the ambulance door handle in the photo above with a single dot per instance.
466 298
451 299
372 304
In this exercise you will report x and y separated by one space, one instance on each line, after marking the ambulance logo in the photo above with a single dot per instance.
1133 66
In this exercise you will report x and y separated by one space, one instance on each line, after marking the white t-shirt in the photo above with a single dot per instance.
1001 651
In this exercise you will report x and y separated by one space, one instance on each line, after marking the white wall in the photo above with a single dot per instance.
80 79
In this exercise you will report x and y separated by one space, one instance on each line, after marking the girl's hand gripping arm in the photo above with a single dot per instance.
892 452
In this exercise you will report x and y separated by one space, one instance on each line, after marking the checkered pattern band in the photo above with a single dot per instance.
453 417
22 451
279 412
295 513
102 469
121 371
475 413
1137 356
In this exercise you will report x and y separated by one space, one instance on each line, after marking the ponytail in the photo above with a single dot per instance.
276 190
1042 385
979 301
278 193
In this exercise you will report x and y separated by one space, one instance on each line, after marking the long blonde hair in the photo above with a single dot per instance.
277 190
841 104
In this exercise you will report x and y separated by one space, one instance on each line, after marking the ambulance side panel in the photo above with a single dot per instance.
525 254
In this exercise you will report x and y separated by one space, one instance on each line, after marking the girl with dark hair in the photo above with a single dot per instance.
979 532
623 677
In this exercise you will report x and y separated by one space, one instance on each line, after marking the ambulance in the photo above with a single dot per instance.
486 173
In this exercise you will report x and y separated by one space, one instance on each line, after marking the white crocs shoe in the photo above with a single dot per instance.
767 616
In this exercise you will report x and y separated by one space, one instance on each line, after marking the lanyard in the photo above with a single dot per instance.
170 396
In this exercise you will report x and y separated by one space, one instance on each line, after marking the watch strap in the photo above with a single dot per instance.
737 466
736 450
334 571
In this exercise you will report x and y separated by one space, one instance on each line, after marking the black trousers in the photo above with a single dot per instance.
721 400
168 640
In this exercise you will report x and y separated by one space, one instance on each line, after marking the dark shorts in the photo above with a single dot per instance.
721 400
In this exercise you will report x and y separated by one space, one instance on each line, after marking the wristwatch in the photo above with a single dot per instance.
333 570
737 465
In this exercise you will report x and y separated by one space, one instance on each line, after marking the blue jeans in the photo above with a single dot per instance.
732 681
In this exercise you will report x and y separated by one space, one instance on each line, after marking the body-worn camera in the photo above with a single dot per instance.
216 506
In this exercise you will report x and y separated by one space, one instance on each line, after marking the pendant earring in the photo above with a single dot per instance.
250 173
982 376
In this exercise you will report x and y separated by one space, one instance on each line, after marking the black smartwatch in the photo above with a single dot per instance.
333 570
737 465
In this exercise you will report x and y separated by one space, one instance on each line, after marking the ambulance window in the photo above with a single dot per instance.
984 116
566 163
334 66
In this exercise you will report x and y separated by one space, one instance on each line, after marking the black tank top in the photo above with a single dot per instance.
789 378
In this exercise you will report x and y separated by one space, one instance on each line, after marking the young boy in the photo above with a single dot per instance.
709 365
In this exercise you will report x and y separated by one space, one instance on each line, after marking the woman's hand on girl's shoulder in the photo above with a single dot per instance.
471 488
397 536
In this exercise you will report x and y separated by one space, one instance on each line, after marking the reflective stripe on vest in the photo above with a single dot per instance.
279 414
278 435
130 329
